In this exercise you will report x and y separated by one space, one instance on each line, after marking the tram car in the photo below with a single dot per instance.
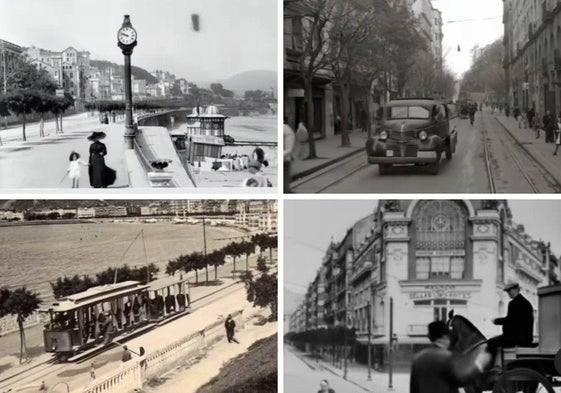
169 298
84 323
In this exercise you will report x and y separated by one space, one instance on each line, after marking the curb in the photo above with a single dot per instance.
533 155
319 167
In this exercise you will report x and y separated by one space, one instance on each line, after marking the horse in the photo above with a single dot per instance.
467 342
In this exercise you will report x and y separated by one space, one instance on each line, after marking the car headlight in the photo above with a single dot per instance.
423 135
383 135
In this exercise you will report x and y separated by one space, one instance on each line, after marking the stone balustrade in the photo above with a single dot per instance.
131 375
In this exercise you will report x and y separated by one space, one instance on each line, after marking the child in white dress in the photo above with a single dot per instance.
73 171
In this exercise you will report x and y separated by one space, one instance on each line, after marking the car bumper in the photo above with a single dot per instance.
411 152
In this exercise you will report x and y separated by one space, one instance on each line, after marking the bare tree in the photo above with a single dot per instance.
313 55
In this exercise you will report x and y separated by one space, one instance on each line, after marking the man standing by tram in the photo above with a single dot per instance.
518 325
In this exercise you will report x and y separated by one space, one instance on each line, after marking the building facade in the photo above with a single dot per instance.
430 25
69 68
427 258
532 58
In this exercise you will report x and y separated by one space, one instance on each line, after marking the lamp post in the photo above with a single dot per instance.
126 37
369 378
390 347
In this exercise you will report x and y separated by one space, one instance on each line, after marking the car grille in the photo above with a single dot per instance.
409 149
403 136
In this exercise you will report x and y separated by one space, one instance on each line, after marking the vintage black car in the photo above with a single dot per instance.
412 131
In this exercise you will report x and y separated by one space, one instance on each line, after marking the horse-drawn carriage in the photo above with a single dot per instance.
535 369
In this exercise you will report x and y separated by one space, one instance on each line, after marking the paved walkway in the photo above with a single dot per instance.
329 151
357 375
537 148
41 162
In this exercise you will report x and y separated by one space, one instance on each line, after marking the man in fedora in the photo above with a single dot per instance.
518 325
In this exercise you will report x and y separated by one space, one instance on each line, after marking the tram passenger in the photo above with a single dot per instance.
518 325
437 370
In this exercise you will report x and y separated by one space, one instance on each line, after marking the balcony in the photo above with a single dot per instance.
365 267
292 56
557 60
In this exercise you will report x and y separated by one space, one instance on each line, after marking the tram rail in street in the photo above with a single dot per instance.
517 154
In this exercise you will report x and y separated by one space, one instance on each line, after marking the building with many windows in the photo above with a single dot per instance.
69 68
426 257
532 57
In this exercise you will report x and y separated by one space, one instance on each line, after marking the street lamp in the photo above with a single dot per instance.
126 37
369 347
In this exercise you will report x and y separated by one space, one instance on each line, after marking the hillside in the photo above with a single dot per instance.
137 72
251 80
254 371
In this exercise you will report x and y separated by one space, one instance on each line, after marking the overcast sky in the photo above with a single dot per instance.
234 36
468 34
309 229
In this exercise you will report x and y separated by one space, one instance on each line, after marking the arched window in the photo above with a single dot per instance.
440 243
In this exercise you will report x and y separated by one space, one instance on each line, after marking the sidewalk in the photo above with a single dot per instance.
329 151
41 162
537 148
357 375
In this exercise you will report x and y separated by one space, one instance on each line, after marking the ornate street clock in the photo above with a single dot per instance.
126 37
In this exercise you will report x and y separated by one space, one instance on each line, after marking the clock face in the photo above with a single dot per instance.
126 35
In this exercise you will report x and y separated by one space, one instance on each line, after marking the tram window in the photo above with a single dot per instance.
458 302
422 302
439 302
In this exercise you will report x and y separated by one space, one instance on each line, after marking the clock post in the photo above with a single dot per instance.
126 38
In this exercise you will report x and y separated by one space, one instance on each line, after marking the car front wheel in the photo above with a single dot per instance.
448 150
383 169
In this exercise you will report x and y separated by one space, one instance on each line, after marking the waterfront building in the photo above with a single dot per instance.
85 212
69 68
532 54
110 211
428 257
205 136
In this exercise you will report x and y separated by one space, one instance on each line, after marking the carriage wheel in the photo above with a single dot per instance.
523 380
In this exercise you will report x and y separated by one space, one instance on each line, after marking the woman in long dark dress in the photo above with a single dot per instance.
101 175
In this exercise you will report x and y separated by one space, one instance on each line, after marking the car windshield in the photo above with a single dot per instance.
407 112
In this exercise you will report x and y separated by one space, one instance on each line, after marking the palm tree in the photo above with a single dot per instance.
21 303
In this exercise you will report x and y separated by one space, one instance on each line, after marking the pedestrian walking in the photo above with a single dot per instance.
230 327
101 175
437 370
530 114
536 124
73 171
548 125
126 354
92 372
301 138
289 139
172 121
557 134
324 387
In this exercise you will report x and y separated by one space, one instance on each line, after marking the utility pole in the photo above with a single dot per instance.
204 250
390 345
5 85
369 347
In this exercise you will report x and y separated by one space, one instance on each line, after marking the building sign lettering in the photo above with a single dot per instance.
440 292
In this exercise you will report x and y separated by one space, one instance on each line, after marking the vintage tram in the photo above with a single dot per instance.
84 323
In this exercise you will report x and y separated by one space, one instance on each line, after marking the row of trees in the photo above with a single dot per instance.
197 260
29 90
108 105
486 74
262 290
363 42
65 286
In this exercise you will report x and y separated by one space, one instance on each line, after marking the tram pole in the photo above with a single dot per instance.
390 351
369 345
204 250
